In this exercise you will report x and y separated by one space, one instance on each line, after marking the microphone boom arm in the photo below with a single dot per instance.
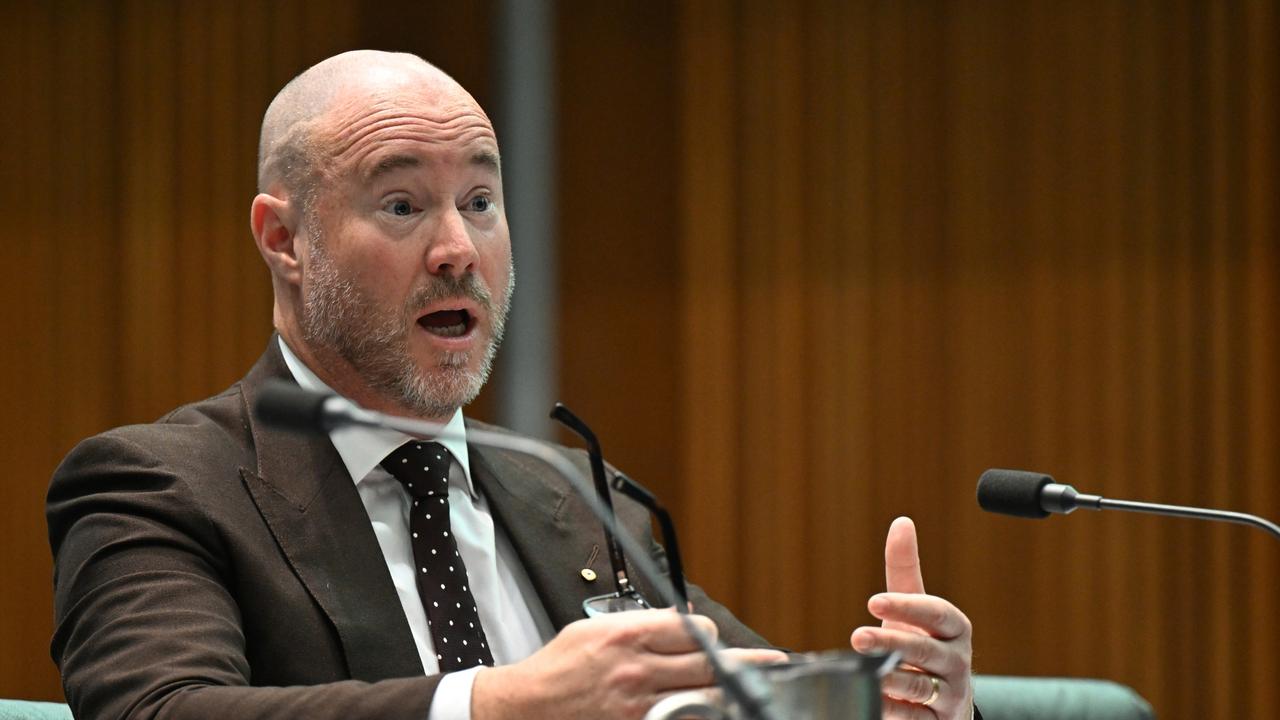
1184 511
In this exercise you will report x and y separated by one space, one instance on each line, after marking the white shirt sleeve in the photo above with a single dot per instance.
452 700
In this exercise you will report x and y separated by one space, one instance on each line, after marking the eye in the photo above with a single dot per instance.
399 208
480 203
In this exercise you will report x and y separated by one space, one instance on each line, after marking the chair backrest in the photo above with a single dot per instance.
1002 697
28 710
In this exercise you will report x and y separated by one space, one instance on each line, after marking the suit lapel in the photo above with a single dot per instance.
550 529
303 492
312 508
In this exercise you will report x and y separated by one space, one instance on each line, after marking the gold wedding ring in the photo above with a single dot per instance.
933 697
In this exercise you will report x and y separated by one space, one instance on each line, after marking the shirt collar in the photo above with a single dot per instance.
363 448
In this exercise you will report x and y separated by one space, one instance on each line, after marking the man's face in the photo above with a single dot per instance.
408 274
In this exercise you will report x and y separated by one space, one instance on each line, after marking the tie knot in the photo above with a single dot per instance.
423 468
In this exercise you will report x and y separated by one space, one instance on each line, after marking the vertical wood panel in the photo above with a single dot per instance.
1222 406
33 319
708 503
1147 401
1184 584
1260 89
771 425
617 243
836 246
193 67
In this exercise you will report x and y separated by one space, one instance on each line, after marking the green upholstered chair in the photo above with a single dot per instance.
27 710
1047 698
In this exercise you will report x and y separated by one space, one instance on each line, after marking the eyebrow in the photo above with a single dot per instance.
390 163
487 159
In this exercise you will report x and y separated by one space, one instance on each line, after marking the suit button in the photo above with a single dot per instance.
588 574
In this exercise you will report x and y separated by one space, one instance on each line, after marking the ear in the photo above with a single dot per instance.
275 225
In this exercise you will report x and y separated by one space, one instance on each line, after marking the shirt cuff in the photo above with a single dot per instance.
452 699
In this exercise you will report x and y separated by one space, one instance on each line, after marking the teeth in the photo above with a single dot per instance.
448 330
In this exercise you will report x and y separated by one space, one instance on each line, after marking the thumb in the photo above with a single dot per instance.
902 558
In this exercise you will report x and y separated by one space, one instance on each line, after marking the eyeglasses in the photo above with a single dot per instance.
625 596
675 568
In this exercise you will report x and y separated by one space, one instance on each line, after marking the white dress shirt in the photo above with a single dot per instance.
514 621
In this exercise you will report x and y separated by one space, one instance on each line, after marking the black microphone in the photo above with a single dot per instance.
286 405
1036 495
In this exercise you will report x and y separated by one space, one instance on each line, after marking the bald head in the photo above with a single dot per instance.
291 148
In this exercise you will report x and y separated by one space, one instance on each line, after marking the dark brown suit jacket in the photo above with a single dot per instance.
207 566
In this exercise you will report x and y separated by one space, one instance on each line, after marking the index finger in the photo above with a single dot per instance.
902 558
664 631
934 615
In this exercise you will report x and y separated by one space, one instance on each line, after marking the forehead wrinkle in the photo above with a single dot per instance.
367 157
353 117
362 138
361 153
413 127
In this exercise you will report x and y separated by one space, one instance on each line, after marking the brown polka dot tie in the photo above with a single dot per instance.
423 468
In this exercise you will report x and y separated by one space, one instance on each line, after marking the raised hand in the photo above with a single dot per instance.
934 637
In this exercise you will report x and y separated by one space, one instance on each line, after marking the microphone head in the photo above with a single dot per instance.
284 405
1013 492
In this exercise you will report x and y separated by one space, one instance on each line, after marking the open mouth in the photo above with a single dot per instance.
447 323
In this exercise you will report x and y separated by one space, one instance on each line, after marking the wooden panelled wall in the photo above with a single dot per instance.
922 239
823 262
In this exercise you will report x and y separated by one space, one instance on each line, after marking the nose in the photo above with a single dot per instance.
451 251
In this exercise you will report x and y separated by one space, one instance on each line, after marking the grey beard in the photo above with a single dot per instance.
336 315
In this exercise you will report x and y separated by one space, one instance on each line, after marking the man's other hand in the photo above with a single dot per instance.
614 666
934 637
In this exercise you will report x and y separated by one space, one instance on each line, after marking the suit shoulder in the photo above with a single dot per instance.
198 435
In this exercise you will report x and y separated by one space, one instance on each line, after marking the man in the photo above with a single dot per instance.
210 566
